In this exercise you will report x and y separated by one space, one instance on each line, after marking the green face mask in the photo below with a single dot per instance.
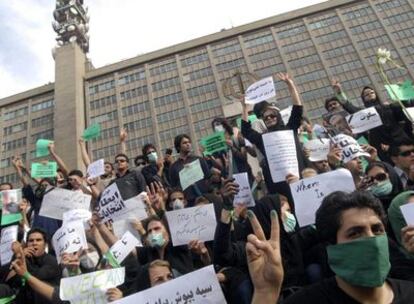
364 262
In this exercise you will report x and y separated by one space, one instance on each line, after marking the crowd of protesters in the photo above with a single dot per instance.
360 249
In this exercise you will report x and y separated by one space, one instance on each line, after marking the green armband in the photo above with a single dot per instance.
25 277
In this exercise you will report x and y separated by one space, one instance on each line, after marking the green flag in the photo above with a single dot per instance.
42 147
251 118
404 91
93 131
42 170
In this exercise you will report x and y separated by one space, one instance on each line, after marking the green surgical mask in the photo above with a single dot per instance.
382 188
364 262
290 223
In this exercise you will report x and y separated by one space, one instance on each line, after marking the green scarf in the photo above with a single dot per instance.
396 217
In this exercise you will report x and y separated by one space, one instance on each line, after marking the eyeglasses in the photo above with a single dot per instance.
407 153
120 160
270 116
380 177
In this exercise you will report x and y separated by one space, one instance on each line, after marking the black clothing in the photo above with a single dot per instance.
150 173
130 184
327 291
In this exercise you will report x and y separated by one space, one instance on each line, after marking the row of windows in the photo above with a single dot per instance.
14 144
355 83
43 105
163 68
46 120
205 105
258 41
16 128
408 16
345 67
230 64
102 102
385 6
108 133
7 162
198 74
297 46
105 152
105 117
202 124
324 23
131 77
194 59
138 143
167 99
15 113
292 32
270 70
311 76
336 52
365 27
135 108
105 86
408 50
358 13
230 49
272 53
317 94
373 43
48 134
138 124
170 134
300 62
332 36
9 178
166 83
203 89
168 116
404 34
134 93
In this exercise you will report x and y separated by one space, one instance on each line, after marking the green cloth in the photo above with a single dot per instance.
396 218
404 91
251 118
42 147
7 300
93 131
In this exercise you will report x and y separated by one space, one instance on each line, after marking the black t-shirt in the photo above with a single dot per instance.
327 291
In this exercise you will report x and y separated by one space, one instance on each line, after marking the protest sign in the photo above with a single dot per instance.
364 120
90 288
120 227
318 149
280 150
350 147
69 238
42 147
404 91
308 193
93 131
197 287
76 215
260 90
113 207
124 246
245 196
410 113
58 201
190 174
214 143
42 170
285 113
96 168
10 202
8 236
196 223
408 212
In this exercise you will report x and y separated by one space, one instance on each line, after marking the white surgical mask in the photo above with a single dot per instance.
89 260
219 128
178 204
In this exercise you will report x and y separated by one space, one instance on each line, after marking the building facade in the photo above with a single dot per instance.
175 90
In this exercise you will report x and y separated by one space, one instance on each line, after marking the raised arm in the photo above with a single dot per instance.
293 90
18 165
343 99
122 139
85 156
57 158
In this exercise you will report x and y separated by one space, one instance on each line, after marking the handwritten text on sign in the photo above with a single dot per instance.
245 195
280 150
196 223
190 174
196 287
318 149
124 246
8 236
349 146
364 120
69 238
308 193
260 90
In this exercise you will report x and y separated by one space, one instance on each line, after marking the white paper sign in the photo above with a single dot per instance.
245 196
364 120
280 150
75 215
124 246
8 236
122 226
69 238
260 90
196 223
285 113
410 113
96 169
318 149
197 287
58 201
91 287
408 213
112 207
350 147
308 193
190 174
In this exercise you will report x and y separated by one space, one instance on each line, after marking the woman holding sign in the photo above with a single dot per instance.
273 121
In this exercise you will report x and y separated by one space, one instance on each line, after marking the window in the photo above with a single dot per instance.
10 178
43 105
46 120
166 83
331 36
345 67
164 117
14 144
138 143
15 113
105 101
205 105
204 89
105 117
48 134
396 19
163 68
167 99
198 74
296 46
264 55
136 108
362 28
131 77
15 128
358 13
311 76
134 93
324 23
170 134
230 64
336 52
138 124
291 32
106 152
105 86
227 50
404 34
374 42
7 162
320 93
202 125
108 133
251 42
303 61
194 59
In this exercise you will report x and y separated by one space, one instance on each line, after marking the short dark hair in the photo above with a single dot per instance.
49 180
138 158
174 190
38 230
328 216
395 147
76 172
329 100
178 139
146 148
259 107
8 184
122 155
376 164
109 163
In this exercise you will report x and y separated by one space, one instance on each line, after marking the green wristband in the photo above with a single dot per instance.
26 276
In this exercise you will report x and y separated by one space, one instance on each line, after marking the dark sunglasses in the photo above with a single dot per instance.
379 177
272 116
407 153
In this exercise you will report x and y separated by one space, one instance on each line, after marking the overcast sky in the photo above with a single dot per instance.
119 29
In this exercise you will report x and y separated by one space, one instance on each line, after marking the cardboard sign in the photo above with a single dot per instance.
42 147
214 143
10 202
260 90
318 149
124 246
190 174
196 223
8 236
245 195
280 150
42 170
196 287
96 168
93 131
69 238
350 147
58 201
364 120
308 193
